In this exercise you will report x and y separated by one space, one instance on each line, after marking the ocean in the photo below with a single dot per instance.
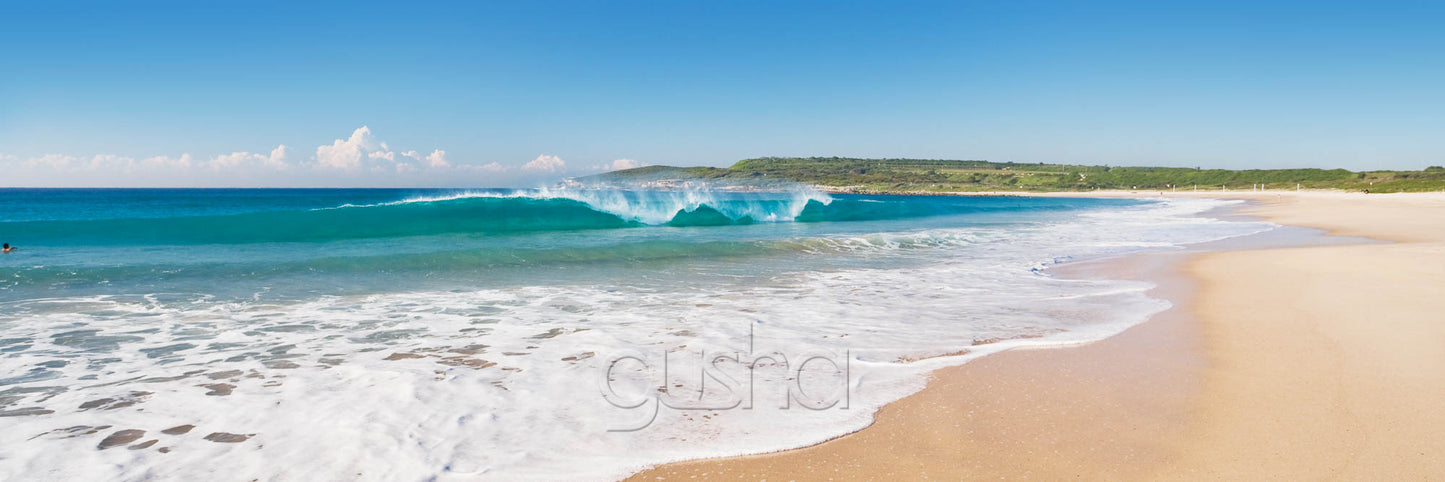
560 333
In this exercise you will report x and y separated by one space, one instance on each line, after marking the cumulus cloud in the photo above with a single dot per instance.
437 159
58 162
109 161
231 160
346 154
98 162
364 150
167 162
545 163
360 154
493 167
275 160
619 164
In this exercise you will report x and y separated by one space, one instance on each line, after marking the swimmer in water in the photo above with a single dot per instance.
7 248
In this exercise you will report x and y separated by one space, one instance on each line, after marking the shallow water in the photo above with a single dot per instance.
414 334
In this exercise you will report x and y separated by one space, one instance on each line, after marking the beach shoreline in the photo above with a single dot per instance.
1180 395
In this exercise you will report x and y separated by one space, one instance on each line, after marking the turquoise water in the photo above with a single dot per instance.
311 242
455 334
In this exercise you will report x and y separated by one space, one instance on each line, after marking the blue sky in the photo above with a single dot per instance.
491 93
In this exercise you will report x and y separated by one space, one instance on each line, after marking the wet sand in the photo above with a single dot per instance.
1301 362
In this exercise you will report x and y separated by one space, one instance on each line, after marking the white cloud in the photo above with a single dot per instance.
493 167
352 153
167 162
437 159
619 164
276 159
346 154
360 153
117 170
110 162
54 161
61 162
545 163
226 161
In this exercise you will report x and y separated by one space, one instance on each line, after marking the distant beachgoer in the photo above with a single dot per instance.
7 248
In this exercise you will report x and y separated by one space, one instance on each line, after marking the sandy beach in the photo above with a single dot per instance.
1276 362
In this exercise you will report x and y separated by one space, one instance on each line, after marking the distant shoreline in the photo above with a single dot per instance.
929 176
1215 193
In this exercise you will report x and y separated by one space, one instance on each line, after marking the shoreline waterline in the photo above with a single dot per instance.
1250 405
1158 362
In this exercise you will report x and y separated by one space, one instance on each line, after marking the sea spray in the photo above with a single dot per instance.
661 206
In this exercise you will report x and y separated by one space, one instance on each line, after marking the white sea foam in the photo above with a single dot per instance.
508 383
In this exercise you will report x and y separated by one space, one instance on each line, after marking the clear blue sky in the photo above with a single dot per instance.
203 93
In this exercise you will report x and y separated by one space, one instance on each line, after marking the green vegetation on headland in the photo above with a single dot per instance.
922 175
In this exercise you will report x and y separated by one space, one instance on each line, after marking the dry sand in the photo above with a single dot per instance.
1291 363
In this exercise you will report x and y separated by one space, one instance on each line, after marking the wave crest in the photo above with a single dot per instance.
656 206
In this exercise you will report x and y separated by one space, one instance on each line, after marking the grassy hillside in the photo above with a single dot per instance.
940 176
